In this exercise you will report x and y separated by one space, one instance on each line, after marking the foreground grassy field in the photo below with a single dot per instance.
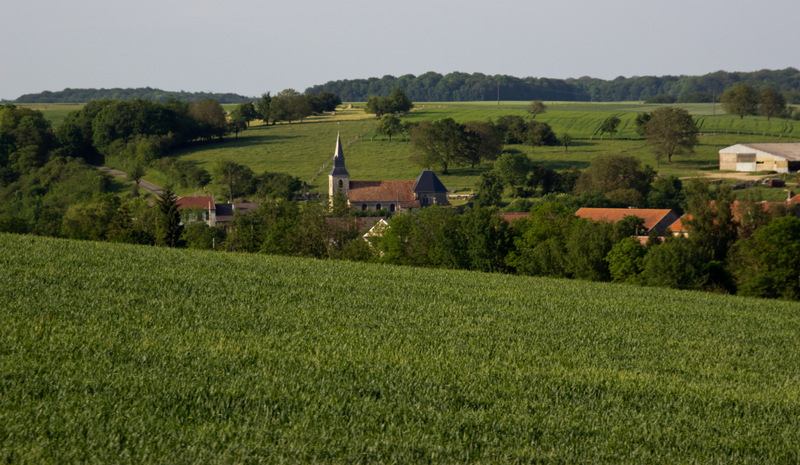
124 354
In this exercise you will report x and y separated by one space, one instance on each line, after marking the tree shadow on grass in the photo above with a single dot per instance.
562 165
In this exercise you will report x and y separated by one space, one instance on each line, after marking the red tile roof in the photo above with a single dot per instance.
399 192
650 216
203 202
511 217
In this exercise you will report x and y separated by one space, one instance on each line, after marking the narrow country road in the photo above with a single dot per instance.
142 183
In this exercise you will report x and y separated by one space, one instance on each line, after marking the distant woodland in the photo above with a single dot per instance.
464 87
454 87
147 93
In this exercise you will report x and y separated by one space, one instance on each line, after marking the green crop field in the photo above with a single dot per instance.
54 112
130 354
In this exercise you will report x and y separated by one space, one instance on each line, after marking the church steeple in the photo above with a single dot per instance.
339 178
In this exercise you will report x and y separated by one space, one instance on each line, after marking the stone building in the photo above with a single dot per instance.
394 196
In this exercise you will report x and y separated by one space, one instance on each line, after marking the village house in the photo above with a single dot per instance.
202 209
654 219
393 196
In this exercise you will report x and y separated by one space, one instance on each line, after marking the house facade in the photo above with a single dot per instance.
393 196
778 157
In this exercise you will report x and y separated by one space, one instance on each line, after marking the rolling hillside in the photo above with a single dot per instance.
113 353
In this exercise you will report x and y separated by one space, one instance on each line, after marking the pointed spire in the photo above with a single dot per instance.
338 159
338 152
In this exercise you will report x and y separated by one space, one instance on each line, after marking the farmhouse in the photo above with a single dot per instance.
197 210
779 157
394 196
202 209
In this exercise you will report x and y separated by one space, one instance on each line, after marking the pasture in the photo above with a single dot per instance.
305 149
130 354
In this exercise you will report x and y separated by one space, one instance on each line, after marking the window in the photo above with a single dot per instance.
377 206
341 184
391 208
363 207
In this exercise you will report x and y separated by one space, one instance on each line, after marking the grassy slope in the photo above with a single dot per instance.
136 354
305 149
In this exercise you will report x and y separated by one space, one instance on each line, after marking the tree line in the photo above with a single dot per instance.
148 93
458 86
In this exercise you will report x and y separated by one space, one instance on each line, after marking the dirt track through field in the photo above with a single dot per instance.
142 183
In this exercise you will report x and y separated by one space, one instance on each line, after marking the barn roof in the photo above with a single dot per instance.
787 150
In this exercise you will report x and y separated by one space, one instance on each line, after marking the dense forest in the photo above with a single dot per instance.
147 93
456 86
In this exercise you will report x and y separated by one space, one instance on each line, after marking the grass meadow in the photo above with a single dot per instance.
305 149
130 354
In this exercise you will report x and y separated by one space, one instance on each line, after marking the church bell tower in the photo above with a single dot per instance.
339 178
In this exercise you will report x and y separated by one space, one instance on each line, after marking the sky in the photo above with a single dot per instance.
254 46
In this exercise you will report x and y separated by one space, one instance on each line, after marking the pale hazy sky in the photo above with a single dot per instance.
254 46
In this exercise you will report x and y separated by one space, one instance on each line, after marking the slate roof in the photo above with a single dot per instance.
338 160
427 181
225 211
400 193
202 202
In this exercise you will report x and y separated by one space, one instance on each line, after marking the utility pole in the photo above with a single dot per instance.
714 103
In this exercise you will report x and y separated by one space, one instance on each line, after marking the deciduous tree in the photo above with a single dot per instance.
389 125
610 126
671 131
536 107
771 103
740 100
234 179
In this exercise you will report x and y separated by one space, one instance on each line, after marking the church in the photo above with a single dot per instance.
394 196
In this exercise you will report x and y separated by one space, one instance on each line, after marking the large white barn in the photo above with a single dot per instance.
779 157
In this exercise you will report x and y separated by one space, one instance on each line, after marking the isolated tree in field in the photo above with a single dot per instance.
233 178
536 108
388 126
771 103
740 100
671 131
566 140
610 126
